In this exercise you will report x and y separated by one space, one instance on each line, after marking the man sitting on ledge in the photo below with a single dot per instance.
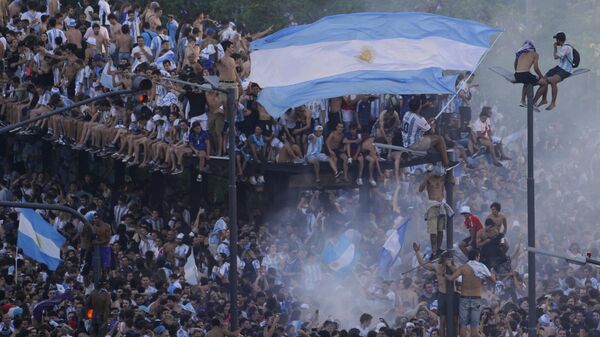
416 134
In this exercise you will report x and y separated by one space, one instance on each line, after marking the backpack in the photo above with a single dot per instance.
576 57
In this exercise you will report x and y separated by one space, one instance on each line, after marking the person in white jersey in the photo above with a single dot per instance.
564 54
416 134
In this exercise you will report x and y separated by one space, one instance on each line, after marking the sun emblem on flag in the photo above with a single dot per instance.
366 55
334 265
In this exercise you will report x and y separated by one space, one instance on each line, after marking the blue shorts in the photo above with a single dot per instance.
105 256
469 310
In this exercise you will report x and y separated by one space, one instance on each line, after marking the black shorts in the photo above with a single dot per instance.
558 71
526 78
443 304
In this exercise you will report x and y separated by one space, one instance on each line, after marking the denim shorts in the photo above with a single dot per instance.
469 310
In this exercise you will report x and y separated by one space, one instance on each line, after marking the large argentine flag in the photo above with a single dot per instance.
392 247
341 255
365 53
38 239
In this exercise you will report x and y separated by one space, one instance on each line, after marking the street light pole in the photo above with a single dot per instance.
233 231
231 110
532 319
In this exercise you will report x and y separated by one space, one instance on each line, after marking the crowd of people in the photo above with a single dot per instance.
55 55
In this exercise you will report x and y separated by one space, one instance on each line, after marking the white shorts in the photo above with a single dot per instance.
202 119
277 144
318 156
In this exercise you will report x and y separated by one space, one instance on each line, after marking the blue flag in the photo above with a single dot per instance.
391 248
38 239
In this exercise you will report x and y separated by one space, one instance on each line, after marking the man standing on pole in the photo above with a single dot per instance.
438 210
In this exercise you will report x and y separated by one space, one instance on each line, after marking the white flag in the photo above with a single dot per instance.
191 271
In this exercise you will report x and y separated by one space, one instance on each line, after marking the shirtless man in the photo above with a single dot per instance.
154 19
216 119
437 213
440 270
74 35
99 302
226 66
124 42
473 273
499 220
335 150
527 57
218 331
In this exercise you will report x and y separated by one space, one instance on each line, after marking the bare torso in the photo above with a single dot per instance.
435 188
526 61
471 284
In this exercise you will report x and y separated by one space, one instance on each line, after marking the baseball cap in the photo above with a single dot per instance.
160 329
180 236
465 210
98 58
560 36
318 128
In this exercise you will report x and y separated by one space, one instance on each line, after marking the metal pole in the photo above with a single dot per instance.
450 328
233 232
531 215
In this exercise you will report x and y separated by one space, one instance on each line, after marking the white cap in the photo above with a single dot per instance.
156 117
465 210
180 236
318 127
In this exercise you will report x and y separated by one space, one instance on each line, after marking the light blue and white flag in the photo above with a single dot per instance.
391 248
38 239
341 255
365 53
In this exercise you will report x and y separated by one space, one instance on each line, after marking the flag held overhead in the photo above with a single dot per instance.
365 53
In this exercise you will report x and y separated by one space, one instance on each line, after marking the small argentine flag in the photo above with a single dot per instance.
191 270
341 255
391 248
38 239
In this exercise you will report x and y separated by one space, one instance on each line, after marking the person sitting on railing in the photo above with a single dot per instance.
416 134
178 149
353 144
335 150
258 150
485 139
199 142
314 153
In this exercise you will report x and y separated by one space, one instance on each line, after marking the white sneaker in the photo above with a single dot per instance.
199 178
261 180
252 180
359 181
372 182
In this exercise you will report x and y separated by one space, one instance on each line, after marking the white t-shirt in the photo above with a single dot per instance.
565 57
483 127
